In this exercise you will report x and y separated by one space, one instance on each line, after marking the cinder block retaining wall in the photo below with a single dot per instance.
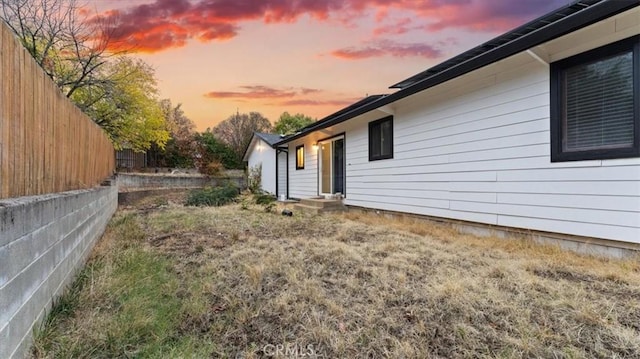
131 197
43 241
143 180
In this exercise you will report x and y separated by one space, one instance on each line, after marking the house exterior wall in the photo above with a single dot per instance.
262 153
477 148
303 183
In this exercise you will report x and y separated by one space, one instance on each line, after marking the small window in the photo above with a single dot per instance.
381 139
595 105
300 157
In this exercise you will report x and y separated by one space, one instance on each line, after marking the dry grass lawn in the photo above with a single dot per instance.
174 281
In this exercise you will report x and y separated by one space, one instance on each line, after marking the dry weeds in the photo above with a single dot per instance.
357 286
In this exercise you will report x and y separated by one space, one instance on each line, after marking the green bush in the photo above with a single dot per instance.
254 179
264 198
213 196
267 200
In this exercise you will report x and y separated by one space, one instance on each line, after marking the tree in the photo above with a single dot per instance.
116 92
214 150
182 146
71 48
288 124
180 126
127 106
237 130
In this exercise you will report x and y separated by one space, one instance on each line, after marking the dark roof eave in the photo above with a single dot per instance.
321 123
562 27
520 31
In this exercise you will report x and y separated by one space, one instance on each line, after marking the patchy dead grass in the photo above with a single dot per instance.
226 282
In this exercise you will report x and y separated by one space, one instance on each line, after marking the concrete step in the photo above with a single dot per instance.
300 207
322 203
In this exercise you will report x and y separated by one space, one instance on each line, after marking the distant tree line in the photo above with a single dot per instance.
222 146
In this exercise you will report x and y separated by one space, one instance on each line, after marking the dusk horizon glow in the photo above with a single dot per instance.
300 56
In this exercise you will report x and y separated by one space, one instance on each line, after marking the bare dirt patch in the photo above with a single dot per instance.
243 282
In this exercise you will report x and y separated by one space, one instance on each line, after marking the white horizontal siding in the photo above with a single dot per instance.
575 187
477 148
262 154
484 156
303 183
595 202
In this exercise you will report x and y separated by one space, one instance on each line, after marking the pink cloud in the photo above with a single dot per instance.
482 15
164 24
387 48
398 28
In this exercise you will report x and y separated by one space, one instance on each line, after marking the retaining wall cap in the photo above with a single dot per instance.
23 201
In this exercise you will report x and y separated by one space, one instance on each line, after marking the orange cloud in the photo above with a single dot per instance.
261 92
279 96
308 102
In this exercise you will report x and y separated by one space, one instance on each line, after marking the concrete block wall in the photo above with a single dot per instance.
43 241
128 181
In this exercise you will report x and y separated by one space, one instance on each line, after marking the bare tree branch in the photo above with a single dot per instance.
74 49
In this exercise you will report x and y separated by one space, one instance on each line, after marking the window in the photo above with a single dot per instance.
595 105
381 139
300 157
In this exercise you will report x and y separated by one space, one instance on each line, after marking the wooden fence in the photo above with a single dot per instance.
47 144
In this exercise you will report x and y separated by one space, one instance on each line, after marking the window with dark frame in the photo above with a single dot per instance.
595 105
300 157
381 139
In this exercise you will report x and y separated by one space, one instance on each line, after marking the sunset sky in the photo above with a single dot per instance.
216 57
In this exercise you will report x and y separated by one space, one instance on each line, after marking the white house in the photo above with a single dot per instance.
262 153
535 130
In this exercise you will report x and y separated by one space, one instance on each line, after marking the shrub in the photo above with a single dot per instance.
213 168
213 196
264 198
267 200
254 179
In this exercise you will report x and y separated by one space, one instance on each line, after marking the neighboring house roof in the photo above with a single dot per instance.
269 138
560 22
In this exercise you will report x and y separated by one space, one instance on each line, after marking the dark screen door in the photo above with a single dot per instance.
338 166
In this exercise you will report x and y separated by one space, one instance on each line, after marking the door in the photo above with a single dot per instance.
332 166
